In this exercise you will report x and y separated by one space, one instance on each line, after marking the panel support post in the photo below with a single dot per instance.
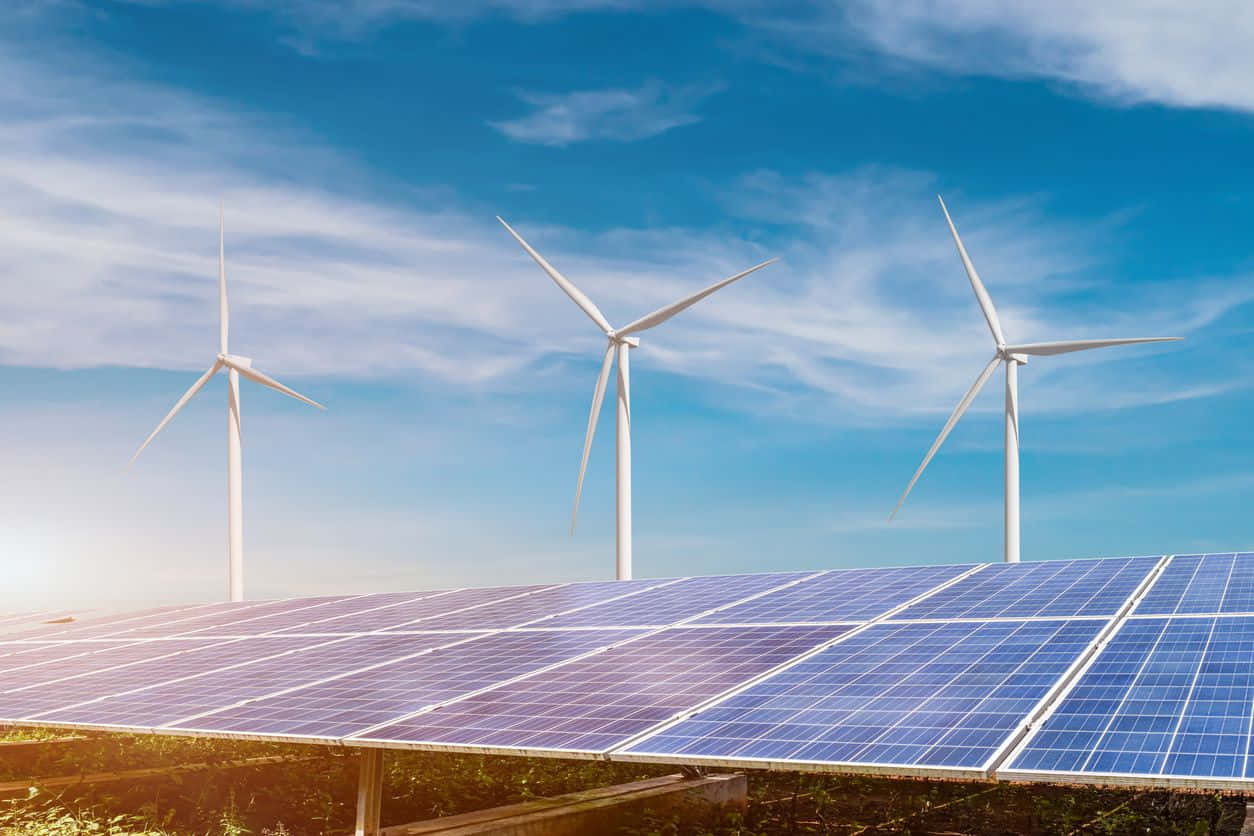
370 793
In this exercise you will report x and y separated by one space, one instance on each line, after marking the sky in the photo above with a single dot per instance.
1095 158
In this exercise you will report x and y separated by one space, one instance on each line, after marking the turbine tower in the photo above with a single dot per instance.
620 343
236 367
1013 356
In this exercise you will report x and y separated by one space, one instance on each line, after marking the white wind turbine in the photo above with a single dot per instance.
1012 356
236 367
620 342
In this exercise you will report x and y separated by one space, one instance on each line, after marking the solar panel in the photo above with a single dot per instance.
72 680
237 674
55 656
87 628
295 615
1166 698
366 698
409 615
675 602
233 617
600 701
1031 671
1047 589
853 595
540 606
909 697
1202 583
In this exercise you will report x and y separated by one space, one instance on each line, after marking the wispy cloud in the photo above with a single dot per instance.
109 247
1180 54
620 115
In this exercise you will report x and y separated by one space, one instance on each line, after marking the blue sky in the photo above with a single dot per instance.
1096 161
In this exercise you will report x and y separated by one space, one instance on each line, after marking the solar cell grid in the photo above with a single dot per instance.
236 616
1046 589
600 701
409 615
850 595
10 649
90 627
25 656
669 604
122 668
298 618
368 698
208 686
928 696
539 605
1165 697
1201 584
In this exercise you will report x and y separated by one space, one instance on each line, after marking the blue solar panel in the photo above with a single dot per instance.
852 595
89 628
366 698
1048 589
77 658
913 695
537 606
1165 697
296 615
598 702
669 604
237 615
131 665
1196 583
204 685
8 649
411 614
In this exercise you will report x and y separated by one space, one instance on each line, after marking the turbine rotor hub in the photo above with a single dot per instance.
1021 359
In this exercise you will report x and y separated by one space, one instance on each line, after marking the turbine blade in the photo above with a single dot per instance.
981 295
576 295
598 396
662 314
949 425
187 396
1067 346
224 315
265 380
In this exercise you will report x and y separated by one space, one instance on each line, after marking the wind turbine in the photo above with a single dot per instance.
236 367
620 343
1013 356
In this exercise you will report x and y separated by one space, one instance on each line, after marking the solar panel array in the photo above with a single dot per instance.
1169 699
1122 669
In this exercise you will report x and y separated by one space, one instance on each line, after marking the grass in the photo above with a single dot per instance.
317 796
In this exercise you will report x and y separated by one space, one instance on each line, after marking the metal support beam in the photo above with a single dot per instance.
370 793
